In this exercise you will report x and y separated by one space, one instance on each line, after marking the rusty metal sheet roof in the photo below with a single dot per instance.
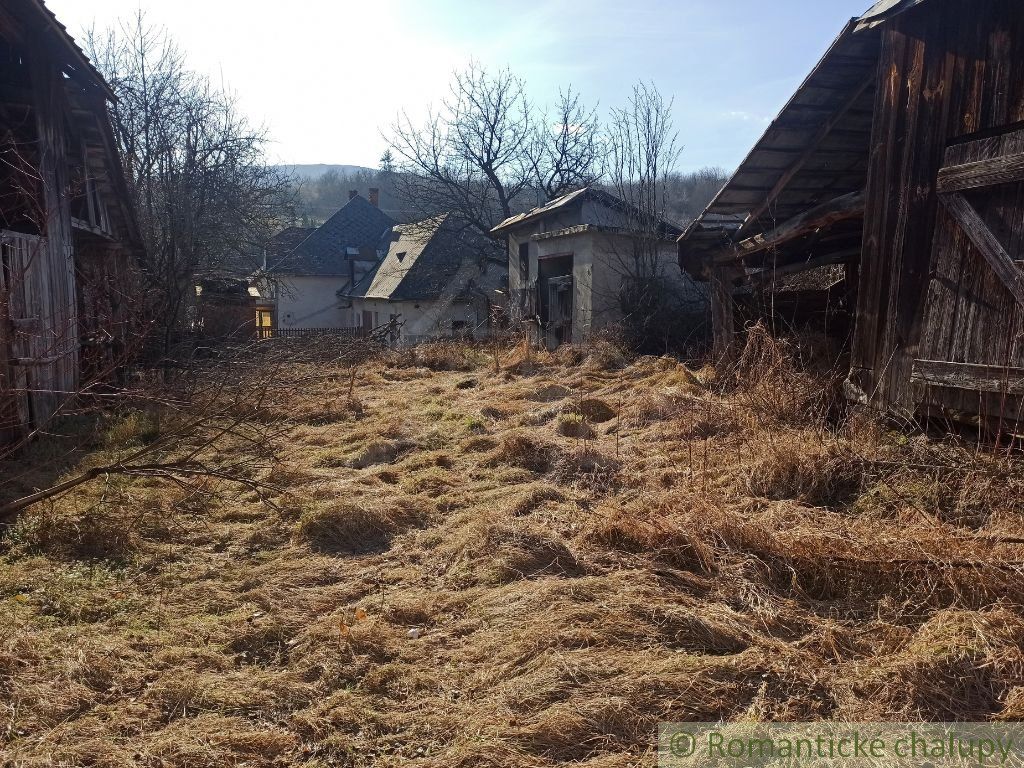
884 10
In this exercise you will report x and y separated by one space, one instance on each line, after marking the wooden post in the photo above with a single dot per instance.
722 317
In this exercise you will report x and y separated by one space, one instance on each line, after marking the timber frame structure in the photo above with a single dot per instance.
69 241
900 158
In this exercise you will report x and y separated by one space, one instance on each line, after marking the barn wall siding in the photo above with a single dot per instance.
64 281
947 70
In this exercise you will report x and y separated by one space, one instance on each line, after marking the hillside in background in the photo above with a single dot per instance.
316 170
323 189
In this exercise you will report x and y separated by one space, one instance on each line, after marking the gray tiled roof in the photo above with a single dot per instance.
357 231
424 258
286 241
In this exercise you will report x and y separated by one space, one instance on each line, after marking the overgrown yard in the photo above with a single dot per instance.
466 568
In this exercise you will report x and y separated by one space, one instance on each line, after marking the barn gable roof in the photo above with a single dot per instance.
815 151
60 43
884 10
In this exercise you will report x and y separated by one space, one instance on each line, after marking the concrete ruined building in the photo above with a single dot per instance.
568 261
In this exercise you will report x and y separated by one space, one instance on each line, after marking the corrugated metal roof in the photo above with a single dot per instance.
552 205
592 194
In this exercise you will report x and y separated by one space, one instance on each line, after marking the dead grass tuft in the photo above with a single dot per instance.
520 450
573 425
536 496
587 468
520 549
363 525
594 410
445 356
794 467
380 452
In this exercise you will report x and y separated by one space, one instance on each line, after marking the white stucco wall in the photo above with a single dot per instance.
423 319
433 319
312 302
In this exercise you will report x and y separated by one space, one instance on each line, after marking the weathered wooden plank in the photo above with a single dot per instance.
825 215
972 376
722 317
983 173
986 243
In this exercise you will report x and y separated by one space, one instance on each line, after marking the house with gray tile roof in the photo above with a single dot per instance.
438 278
307 272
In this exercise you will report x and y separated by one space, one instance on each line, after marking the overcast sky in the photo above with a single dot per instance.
325 76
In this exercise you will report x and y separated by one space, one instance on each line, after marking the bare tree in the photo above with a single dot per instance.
486 154
643 151
206 199
567 152
471 154
688 194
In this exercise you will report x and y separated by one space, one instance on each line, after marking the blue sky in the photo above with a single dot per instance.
325 76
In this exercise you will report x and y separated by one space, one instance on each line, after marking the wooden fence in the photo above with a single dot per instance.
303 333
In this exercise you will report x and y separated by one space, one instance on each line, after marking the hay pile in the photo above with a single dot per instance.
449 574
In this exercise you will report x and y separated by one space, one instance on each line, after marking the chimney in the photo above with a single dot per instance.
374 197
352 193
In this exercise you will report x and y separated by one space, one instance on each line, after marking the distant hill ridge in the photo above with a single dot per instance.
315 171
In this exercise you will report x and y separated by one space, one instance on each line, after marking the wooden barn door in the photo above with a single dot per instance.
22 336
971 356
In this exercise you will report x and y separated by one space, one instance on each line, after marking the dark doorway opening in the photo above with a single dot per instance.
555 284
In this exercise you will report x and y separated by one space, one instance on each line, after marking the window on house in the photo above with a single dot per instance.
524 261
401 256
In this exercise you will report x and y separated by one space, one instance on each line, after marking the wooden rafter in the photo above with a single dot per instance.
825 215
806 154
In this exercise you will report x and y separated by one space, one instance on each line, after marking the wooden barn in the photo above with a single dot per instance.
68 237
892 185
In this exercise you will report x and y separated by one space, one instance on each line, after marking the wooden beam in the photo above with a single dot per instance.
33 362
722 318
818 173
770 273
806 154
972 376
842 208
981 236
982 173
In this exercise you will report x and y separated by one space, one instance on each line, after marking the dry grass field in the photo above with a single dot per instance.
457 567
